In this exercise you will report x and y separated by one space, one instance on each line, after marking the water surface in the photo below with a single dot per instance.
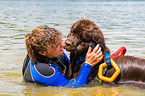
122 23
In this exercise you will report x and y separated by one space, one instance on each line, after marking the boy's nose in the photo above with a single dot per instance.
62 44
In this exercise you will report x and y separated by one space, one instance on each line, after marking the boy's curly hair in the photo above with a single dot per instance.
39 40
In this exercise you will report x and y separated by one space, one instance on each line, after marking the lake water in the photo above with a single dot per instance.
122 23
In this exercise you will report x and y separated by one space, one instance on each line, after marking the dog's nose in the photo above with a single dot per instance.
67 43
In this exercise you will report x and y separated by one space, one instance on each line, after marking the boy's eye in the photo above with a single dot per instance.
57 45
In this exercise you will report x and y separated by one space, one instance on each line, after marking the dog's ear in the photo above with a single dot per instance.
77 28
87 36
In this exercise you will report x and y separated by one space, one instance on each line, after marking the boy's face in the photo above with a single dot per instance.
56 51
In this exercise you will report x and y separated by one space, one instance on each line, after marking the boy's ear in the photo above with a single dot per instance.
42 53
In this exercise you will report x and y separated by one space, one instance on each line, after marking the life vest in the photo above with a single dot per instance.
58 62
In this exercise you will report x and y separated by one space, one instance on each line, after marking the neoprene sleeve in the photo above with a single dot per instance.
82 77
57 79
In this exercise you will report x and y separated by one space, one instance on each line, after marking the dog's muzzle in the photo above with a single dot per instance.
69 45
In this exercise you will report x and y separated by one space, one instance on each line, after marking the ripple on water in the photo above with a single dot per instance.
122 24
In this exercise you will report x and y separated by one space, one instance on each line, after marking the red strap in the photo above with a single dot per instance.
121 51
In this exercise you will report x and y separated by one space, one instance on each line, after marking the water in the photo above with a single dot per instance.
122 23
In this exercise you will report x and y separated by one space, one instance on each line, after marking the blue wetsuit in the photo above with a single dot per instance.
52 73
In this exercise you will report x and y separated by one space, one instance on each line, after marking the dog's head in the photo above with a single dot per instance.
84 33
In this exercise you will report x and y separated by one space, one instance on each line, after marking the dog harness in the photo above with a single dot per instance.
110 63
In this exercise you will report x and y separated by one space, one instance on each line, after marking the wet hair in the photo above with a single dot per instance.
39 40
